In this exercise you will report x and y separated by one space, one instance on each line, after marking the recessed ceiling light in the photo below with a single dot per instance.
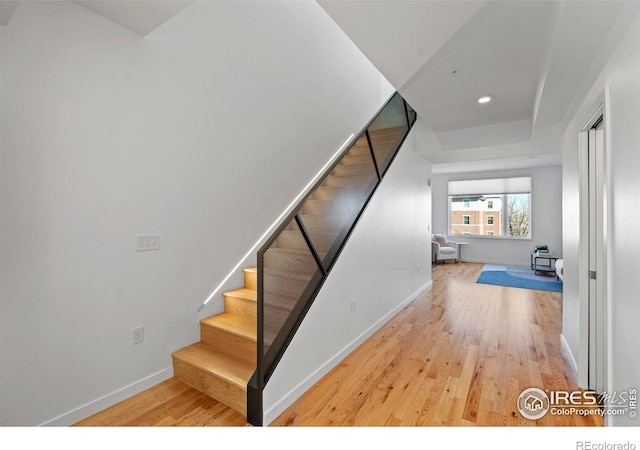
484 99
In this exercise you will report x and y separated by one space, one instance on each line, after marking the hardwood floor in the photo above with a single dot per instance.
459 355
170 403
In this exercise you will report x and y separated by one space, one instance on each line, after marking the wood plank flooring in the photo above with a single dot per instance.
459 355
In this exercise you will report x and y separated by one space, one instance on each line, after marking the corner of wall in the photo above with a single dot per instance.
97 405
568 355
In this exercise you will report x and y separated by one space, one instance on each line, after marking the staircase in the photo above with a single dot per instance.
221 364
229 360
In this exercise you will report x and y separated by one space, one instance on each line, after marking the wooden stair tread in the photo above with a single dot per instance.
320 233
205 358
243 293
233 324
290 251
388 130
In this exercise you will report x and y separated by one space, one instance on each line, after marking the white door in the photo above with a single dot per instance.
596 274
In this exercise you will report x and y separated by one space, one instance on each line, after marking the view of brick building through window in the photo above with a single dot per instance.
484 215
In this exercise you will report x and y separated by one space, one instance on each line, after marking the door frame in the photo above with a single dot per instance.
600 108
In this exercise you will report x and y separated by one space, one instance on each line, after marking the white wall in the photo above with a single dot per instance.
378 268
622 75
203 131
546 217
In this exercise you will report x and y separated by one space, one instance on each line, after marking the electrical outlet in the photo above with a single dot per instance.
353 305
147 242
138 335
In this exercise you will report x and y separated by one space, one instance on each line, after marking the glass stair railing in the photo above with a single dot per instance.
295 261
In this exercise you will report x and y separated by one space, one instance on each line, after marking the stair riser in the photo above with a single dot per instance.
356 160
385 140
359 149
251 279
227 393
360 181
230 344
338 193
348 170
389 131
382 154
296 259
276 275
321 244
240 307
328 207
283 285
328 228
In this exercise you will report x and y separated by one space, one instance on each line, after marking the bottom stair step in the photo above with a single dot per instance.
214 374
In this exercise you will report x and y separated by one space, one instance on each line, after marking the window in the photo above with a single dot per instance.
509 200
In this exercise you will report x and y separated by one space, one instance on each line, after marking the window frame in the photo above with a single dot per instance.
503 223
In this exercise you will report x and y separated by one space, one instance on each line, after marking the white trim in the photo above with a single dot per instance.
295 393
600 107
608 249
95 406
583 261
568 355
497 262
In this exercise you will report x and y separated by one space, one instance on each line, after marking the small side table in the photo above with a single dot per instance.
460 244
458 248
543 262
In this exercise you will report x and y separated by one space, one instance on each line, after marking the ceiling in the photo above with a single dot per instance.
532 57
6 11
139 16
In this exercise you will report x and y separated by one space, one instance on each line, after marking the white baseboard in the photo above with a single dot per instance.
568 355
497 263
277 409
91 408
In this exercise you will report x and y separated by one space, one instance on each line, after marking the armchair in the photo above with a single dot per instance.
560 270
441 249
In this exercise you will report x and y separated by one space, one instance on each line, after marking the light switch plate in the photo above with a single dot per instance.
147 242
138 335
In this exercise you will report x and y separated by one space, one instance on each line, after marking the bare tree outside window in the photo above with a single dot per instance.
518 214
